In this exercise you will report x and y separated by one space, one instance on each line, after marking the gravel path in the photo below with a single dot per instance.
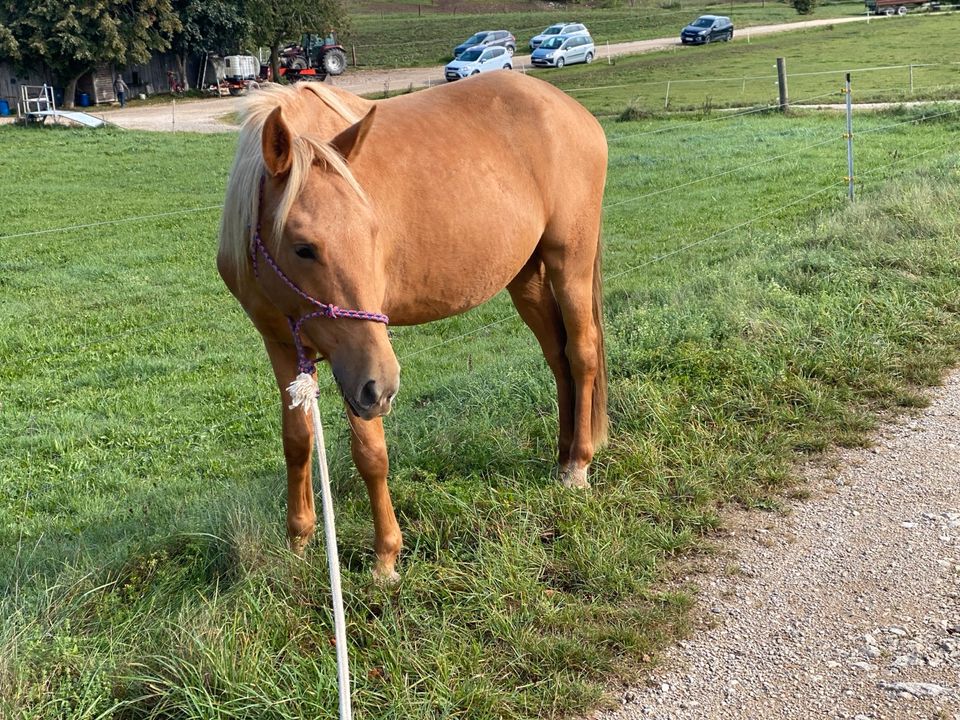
848 606
213 115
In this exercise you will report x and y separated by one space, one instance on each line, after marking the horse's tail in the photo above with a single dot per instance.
598 416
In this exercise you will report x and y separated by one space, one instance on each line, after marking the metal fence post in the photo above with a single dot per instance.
666 97
911 79
849 136
782 83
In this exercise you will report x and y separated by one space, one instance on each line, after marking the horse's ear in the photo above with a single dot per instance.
349 141
277 144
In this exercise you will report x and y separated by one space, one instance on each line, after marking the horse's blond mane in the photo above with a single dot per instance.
241 204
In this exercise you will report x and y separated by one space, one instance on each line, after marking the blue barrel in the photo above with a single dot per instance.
84 100
4 107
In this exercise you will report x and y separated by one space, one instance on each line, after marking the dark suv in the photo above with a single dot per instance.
488 38
707 28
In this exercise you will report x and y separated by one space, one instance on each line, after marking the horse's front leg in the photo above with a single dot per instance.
297 448
369 449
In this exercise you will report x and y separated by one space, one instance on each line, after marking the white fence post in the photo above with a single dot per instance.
846 90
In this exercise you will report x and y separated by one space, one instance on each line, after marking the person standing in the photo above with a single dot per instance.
120 88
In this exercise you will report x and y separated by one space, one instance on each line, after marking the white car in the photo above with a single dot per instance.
476 60
558 29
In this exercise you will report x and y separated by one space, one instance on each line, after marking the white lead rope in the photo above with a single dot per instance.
303 393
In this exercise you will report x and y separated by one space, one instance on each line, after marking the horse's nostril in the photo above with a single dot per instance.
369 396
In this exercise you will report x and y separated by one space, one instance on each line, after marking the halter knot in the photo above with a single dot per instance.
328 310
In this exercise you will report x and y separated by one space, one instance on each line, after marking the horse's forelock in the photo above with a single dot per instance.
242 198
308 149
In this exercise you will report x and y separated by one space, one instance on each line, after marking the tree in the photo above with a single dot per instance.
207 26
274 23
804 7
74 38
9 47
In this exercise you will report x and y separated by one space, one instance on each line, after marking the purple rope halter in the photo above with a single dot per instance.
325 310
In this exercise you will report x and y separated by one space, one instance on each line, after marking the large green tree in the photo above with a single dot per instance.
218 26
275 23
72 38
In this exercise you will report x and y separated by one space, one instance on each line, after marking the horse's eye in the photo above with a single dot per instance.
306 252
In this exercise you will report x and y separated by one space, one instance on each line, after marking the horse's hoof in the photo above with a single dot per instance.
574 478
384 577
298 545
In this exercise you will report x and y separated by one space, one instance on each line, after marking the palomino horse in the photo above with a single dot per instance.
415 208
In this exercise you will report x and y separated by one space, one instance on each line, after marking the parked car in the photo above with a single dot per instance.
476 60
488 38
707 28
558 29
561 50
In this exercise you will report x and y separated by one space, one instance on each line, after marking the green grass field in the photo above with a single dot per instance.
406 40
751 318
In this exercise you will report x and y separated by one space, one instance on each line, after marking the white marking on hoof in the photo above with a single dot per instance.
574 477
385 578
298 545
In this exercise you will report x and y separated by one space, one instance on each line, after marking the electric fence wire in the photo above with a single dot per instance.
724 117
152 326
210 430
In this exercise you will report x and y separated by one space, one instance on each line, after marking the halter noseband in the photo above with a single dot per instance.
326 310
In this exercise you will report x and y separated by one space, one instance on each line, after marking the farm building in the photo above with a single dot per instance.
97 85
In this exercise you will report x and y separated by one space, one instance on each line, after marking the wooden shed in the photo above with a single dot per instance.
98 85
151 77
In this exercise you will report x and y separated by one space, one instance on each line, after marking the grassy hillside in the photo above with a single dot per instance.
406 40
752 317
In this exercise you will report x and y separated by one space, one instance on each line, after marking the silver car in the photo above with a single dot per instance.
563 50
558 29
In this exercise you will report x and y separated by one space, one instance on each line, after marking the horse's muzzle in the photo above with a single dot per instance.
374 399
368 399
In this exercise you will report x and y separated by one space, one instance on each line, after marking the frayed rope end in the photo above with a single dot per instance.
302 391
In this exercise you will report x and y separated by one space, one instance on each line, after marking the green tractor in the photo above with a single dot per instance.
314 58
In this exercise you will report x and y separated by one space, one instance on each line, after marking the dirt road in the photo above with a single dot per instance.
215 115
847 607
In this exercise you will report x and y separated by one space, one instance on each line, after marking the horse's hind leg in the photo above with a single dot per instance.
369 449
531 294
297 448
573 267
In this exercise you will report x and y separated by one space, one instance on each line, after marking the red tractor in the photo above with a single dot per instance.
314 58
